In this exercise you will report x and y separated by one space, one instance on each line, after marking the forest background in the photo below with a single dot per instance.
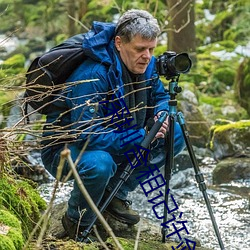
214 33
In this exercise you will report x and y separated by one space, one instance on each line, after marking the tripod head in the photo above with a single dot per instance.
174 89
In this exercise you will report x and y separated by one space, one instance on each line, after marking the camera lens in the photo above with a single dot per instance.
182 63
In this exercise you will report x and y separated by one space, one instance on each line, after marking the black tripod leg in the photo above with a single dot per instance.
168 168
199 176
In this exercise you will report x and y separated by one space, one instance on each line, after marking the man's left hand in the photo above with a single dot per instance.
163 129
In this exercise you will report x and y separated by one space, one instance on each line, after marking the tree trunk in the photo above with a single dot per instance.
83 7
71 6
181 29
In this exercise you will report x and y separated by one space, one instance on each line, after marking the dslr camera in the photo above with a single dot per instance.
171 65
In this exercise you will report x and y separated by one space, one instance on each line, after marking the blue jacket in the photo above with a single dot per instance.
86 118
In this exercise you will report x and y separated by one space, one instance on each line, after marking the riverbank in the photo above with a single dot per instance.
148 238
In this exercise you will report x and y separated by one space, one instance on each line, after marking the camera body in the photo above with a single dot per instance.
171 65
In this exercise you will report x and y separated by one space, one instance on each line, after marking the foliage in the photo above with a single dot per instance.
227 21
242 84
17 60
22 200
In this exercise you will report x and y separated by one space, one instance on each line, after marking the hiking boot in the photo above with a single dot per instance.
75 231
121 211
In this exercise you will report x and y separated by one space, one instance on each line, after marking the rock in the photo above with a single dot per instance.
231 169
197 125
232 139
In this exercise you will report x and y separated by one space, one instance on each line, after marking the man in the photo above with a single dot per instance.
121 69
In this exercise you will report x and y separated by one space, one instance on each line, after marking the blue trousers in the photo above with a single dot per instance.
100 170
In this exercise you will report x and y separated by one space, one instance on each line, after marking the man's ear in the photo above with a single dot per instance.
118 42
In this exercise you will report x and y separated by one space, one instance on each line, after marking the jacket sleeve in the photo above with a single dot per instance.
88 121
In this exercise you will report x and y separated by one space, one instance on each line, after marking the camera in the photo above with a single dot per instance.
171 65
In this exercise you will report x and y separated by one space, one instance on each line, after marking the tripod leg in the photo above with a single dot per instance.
168 168
199 176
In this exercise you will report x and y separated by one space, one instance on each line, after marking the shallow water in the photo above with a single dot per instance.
230 204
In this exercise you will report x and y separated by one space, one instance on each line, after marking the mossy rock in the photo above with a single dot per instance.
11 237
21 199
231 139
225 75
221 106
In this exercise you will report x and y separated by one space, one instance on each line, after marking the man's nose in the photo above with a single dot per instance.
146 54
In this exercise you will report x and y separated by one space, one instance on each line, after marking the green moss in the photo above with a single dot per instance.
6 243
16 237
21 199
239 128
228 45
16 61
225 75
235 125
13 239
13 71
9 219
212 100
128 244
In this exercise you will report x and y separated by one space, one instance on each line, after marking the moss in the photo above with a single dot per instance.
235 125
16 61
16 237
128 244
10 220
21 199
225 75
6 243
13 239
239 128
13 71
212 100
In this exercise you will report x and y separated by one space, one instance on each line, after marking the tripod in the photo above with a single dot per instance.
173 90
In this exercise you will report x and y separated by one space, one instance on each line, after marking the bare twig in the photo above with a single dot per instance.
99 238
138 236
77 21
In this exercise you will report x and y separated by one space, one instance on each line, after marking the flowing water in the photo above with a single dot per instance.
230 204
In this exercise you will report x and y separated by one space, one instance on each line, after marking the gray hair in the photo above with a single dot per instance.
137 22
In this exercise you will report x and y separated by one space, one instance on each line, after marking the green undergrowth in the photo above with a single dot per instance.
20 210
10 231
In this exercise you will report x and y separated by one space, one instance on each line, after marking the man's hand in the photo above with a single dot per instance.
164 128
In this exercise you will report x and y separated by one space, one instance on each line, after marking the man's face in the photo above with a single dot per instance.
137 53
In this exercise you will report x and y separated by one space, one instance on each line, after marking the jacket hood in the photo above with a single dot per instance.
98 43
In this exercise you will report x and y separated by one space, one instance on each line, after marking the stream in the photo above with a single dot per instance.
230 204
